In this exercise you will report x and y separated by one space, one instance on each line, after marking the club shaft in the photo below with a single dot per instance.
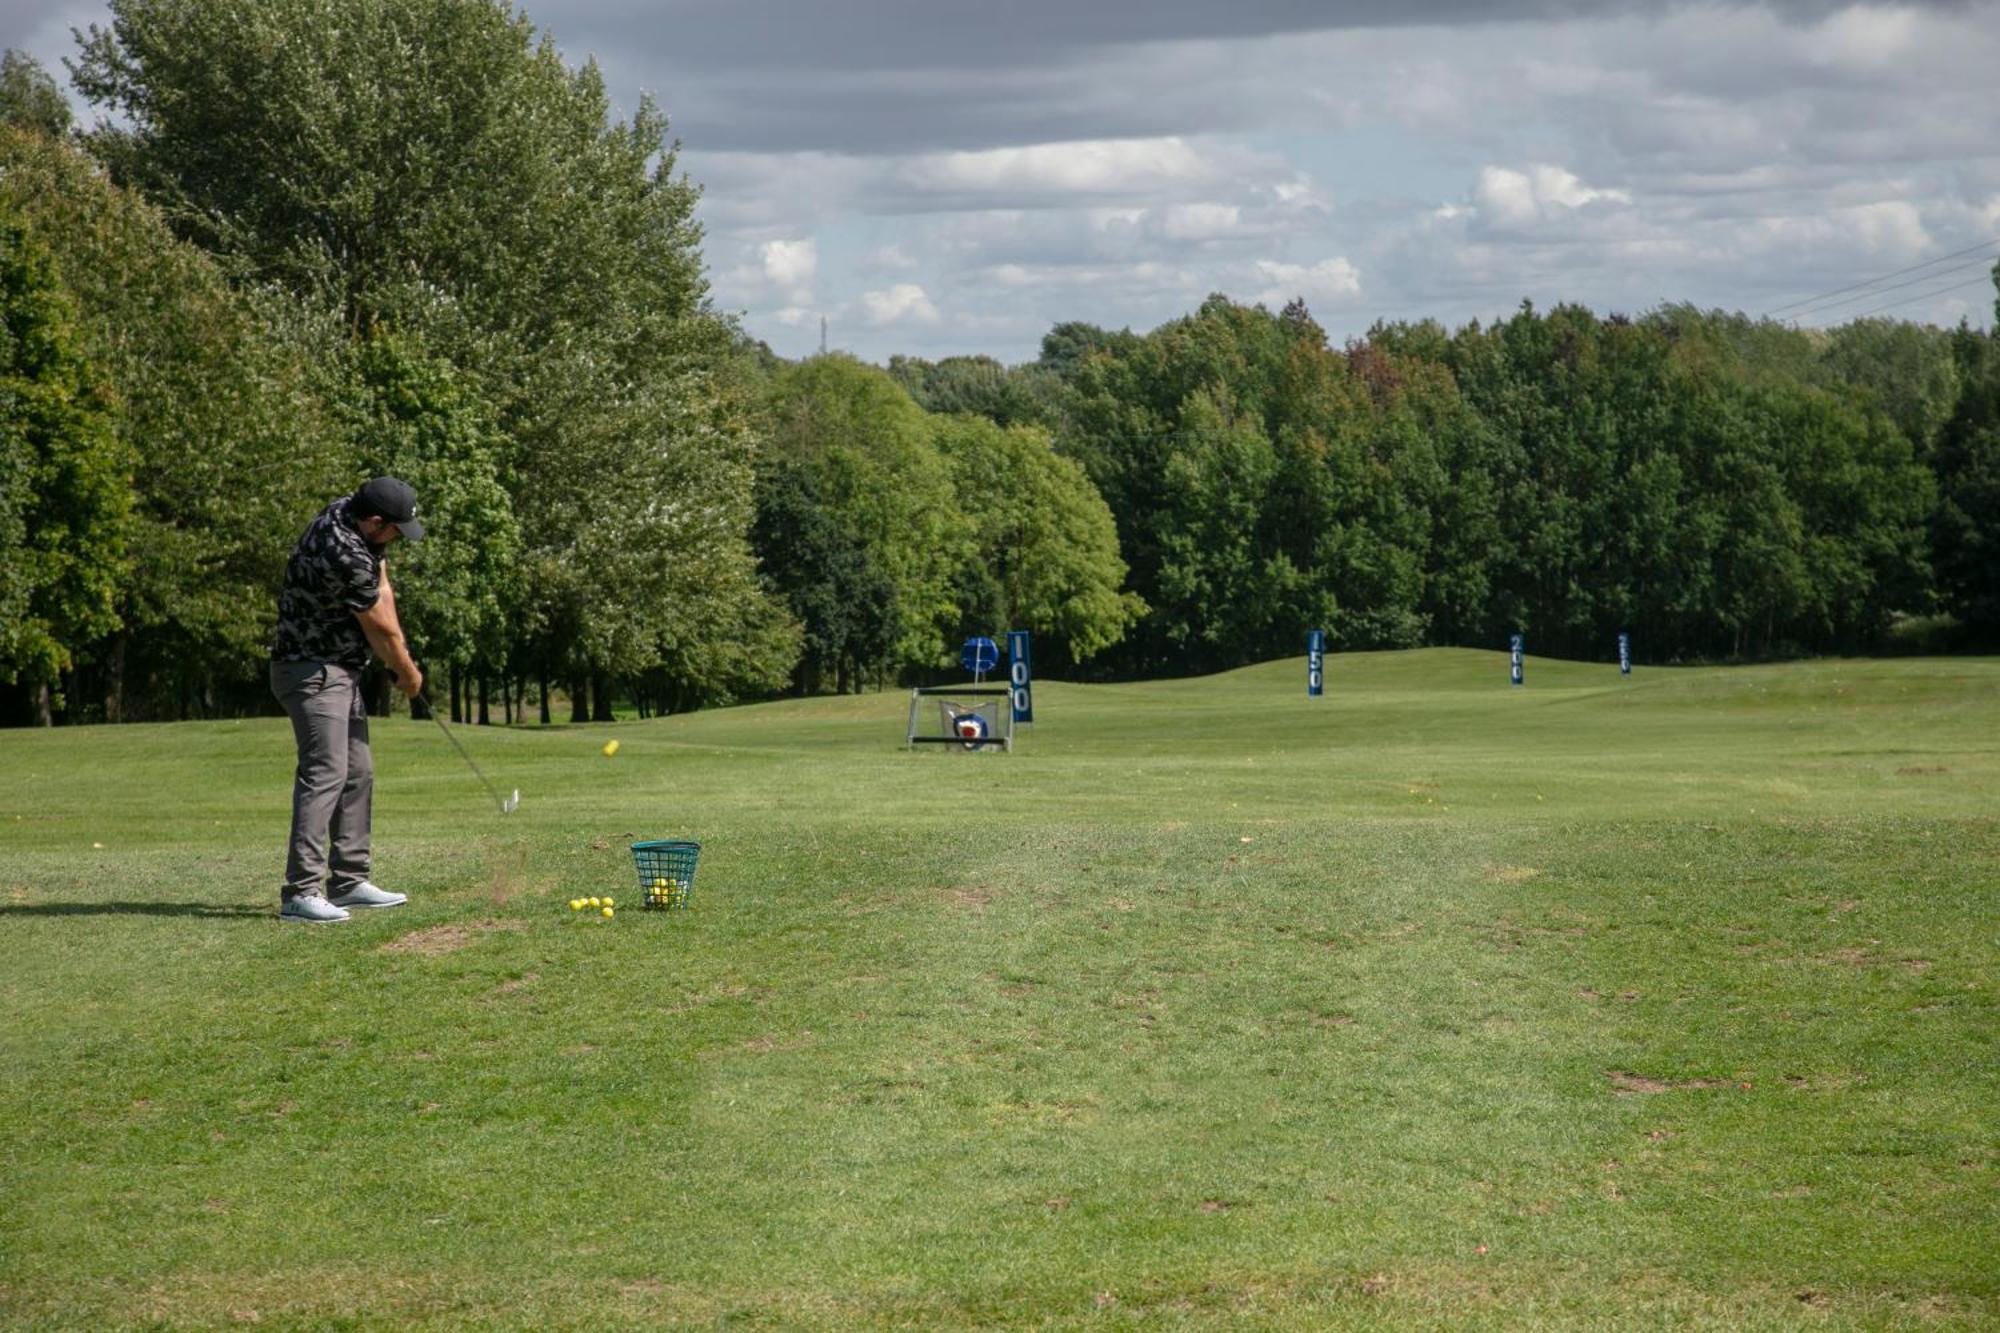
490 790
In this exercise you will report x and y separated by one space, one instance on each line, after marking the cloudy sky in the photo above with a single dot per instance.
942 176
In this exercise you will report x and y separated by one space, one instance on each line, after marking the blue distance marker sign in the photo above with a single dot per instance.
980 655
1315 662
1517 645
1624 654
1019 684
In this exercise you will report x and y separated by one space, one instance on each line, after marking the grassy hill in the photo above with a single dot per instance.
1605 1001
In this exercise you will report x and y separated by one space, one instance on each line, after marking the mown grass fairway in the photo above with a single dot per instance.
1660 1001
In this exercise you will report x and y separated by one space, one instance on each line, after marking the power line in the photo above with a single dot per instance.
1892 287
1839 291
1905 300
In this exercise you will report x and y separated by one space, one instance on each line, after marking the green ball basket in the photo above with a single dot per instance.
671 860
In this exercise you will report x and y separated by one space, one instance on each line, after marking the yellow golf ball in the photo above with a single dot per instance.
576 904
659 884
610 748
610 903
595 902
608 912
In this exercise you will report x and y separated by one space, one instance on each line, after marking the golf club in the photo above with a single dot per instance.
507 804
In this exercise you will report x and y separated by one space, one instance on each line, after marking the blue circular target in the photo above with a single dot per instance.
980 655
971 728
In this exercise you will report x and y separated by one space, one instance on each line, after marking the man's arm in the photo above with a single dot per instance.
385 636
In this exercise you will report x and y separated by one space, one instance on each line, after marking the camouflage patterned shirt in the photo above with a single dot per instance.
332 574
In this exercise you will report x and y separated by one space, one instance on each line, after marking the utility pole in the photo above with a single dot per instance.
822 335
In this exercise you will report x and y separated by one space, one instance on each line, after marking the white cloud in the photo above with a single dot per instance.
1510 199
1863 37
1893 228
905 301
1200 222
1327 281
791 264
1086 167
893 258
1890 231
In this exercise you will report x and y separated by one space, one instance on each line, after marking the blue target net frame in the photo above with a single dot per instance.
986 726
974 718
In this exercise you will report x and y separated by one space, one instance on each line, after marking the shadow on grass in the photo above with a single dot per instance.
214 910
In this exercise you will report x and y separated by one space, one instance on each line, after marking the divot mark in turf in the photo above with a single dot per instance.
1627 1085
1515 874
971 898
434 940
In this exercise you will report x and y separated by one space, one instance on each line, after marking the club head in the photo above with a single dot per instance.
512 803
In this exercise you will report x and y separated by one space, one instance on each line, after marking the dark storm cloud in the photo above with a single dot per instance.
880 35
895 76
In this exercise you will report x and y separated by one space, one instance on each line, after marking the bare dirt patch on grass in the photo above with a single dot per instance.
971 898
445 938
1629 1085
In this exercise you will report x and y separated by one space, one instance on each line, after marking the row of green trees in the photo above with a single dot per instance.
1719 486
317 240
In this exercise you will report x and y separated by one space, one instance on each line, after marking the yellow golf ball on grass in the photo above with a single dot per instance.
610 748
608 914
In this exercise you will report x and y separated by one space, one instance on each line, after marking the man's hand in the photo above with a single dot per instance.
411 684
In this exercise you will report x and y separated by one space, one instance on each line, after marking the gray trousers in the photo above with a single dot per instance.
333 791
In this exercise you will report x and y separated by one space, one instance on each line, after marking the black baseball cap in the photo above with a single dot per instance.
390 498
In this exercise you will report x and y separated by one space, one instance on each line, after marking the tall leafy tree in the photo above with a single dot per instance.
1045 548
844 601
1908 369
435 166
981 386
1966 527
877 469
225 409
65 481
29 98
415 417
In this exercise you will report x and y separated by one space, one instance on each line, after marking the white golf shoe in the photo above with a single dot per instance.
365 894
311 909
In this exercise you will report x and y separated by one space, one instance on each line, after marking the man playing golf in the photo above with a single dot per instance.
336 604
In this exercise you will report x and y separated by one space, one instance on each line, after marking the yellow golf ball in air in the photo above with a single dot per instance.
610 748
608 913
